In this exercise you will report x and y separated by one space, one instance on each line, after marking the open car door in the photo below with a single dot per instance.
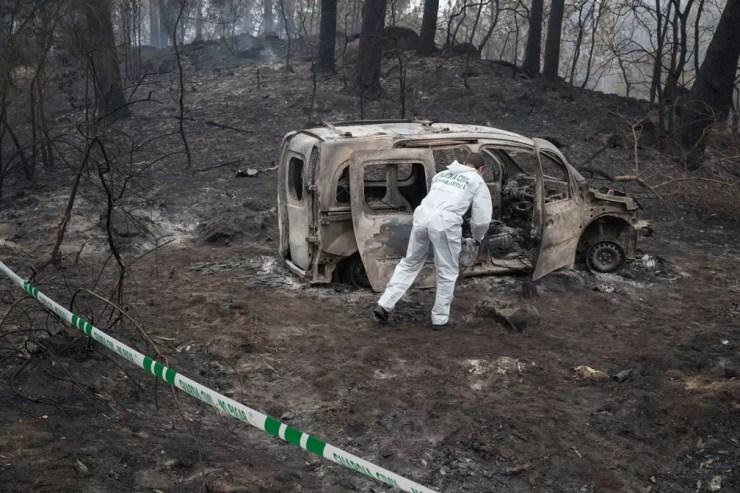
385 188
557 216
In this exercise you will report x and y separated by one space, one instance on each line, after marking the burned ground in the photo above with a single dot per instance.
476 408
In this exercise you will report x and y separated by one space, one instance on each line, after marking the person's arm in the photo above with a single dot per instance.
480 218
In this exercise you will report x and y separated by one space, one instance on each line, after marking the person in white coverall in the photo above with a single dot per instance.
438 223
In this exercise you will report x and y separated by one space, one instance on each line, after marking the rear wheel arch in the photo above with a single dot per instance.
606 227
604 243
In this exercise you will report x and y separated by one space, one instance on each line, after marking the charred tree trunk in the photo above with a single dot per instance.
579 40
355 17
710 97
517 28
471 34
495 12
679 53
697 35
181 84
159 23
371 48
595 21
288 7
165 23
534 39
428 27
184 22
328 35
154 35
656 84
199 20
267 19
288 35
552 47
2 166
108 87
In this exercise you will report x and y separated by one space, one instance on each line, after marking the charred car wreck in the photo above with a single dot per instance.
347 192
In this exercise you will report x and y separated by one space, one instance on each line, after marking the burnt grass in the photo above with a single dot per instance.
476 408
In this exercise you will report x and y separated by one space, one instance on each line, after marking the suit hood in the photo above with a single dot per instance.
456 167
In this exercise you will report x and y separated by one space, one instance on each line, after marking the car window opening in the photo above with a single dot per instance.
521 168
295 178
398 187
413 185
343 187
445 157
493 170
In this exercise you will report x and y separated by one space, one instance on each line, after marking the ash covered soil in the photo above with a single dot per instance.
477 408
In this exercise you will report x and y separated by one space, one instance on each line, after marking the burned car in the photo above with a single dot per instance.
347 192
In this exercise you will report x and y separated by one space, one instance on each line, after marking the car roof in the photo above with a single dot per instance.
410 130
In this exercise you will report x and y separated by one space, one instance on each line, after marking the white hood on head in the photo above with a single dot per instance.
456 167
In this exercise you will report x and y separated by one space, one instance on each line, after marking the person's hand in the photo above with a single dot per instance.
469 252
470 243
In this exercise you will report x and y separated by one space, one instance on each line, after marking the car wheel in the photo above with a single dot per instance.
604 256
353 273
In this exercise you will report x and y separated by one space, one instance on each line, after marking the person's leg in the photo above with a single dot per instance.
446 245
408 268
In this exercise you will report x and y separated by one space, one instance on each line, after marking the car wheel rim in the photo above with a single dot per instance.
605 256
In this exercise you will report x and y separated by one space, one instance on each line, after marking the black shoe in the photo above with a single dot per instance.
441 326
381 314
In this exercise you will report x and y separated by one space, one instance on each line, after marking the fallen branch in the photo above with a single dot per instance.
227 163
62 228
161 245
228 127
136 87
639 181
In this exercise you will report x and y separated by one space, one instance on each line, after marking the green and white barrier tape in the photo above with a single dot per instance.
221 402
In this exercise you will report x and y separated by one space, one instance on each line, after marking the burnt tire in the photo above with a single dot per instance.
604 257
352 272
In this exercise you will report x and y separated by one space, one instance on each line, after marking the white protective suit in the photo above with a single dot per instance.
438 222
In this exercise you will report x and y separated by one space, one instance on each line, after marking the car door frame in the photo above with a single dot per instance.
301 229
496 186
382 236
557 225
